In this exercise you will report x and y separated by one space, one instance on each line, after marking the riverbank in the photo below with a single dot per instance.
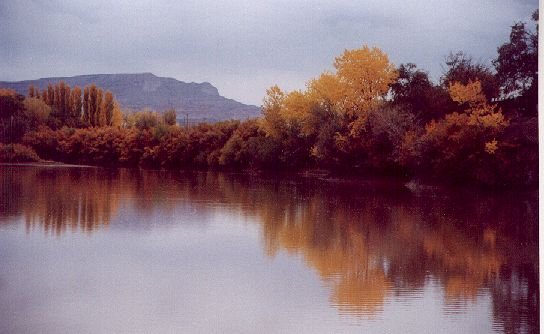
381 183
46 164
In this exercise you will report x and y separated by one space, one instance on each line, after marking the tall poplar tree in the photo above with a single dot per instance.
108 106
100 114
75 102
86 112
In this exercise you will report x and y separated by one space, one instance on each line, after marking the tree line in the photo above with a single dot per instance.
70 108
367 116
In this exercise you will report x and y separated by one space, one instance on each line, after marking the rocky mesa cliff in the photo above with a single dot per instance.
201 101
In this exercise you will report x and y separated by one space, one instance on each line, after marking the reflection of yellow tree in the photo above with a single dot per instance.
330 242
469 265
358 282
365 251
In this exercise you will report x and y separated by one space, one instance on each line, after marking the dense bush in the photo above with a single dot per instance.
17 153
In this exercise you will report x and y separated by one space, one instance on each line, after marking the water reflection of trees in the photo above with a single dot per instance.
371 245
368 244
58 200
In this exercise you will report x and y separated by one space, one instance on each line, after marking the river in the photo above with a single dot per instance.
91 250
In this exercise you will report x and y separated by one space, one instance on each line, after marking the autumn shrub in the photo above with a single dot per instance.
169 117
44 142
17 153
518 154
95 145
133 145
386 129
205 142
463 146
36 112
146 119
249 147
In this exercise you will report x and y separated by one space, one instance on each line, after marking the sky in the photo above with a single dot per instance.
243 47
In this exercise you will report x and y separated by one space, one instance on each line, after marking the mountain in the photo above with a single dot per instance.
201 101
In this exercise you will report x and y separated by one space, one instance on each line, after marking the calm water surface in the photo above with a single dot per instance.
86 250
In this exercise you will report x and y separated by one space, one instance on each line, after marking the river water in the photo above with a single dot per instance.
90 250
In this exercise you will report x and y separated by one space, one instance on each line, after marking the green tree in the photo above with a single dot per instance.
517 61
36 112
460 67
12 124
146 119
11 103
413 91
517 66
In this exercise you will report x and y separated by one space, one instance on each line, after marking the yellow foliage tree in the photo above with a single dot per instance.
117 116
107 107
100 119
296 106
470 93
283 110
75 102
327 89
463 141
365 75
337 101
479 112
272 105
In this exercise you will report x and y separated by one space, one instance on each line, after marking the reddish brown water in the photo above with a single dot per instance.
86 250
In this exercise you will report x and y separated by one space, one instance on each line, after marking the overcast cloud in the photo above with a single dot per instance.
242 47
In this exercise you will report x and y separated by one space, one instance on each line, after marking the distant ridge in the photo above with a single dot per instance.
146 90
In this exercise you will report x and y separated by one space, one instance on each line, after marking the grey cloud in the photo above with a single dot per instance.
242 47
87 12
